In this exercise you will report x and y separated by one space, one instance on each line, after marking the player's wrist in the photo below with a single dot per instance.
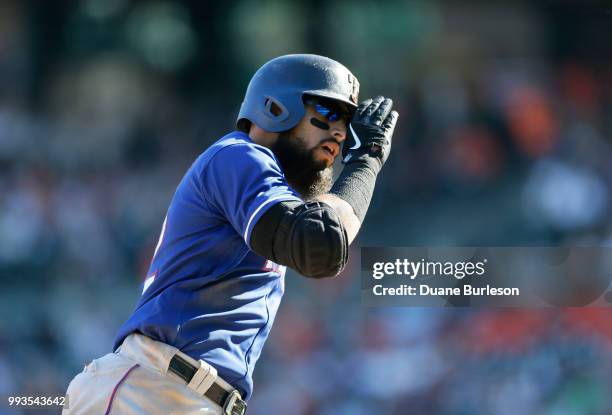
364 161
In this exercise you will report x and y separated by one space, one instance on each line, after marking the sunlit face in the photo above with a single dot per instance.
307 151
325 144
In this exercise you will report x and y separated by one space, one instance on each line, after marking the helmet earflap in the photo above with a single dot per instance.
275 109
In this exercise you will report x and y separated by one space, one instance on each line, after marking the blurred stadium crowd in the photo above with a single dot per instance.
503 139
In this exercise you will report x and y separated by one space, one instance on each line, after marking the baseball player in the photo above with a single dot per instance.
256 201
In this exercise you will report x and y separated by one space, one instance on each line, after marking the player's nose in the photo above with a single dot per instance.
338 131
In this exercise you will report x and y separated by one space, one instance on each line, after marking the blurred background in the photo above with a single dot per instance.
504 139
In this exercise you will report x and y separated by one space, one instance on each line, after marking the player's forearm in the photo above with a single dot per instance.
345 212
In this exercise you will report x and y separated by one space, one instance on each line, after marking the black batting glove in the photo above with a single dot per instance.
370 133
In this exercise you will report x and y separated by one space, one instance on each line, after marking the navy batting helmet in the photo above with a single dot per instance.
274 97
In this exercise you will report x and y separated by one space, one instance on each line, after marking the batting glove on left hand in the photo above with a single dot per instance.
370 132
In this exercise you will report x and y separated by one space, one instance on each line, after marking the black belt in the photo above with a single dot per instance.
231 402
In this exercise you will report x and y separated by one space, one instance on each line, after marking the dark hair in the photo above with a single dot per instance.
244 125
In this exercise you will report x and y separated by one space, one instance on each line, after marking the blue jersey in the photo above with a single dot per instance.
207 293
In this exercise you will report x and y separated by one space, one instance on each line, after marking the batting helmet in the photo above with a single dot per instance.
273 99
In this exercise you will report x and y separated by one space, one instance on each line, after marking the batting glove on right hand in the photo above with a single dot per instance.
370 132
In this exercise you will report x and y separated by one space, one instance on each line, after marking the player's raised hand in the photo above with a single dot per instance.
370 131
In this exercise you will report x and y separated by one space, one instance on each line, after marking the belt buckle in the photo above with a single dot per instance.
234 405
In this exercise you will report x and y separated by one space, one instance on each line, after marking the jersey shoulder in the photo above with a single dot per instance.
237 147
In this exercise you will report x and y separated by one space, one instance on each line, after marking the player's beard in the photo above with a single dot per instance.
304 173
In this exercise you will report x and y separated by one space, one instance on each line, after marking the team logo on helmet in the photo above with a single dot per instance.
354 83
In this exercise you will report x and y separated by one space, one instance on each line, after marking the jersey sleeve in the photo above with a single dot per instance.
242 181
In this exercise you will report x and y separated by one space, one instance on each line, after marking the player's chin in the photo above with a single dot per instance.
320 183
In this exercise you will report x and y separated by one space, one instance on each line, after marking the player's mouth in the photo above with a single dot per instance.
331 147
